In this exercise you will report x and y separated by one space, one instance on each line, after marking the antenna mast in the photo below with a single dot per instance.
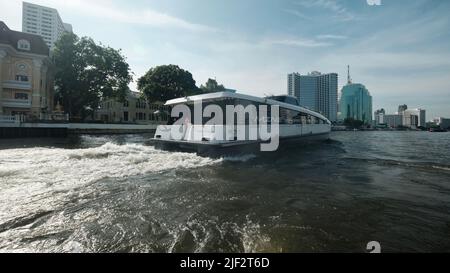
349 79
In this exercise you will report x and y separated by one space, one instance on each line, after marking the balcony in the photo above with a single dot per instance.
8 119
17 85
16 103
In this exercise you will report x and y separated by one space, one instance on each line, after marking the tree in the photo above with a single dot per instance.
165 82
212 86
353 123
86 73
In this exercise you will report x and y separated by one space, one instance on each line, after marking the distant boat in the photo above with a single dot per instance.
437 130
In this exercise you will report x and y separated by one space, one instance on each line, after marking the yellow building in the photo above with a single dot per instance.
26 80
133 110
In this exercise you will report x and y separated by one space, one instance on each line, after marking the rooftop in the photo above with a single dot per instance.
12 37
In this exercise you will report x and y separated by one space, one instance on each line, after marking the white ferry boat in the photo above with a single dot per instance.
296 124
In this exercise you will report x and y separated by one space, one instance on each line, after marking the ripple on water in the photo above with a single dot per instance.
112 195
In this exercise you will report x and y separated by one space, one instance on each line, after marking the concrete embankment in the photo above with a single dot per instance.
84 128
19 130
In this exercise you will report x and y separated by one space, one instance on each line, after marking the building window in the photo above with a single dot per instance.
21 78
21 96
23 45
141 104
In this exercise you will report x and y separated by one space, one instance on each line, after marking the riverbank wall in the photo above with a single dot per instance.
24 130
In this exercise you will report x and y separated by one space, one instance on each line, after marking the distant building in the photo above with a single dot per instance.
26 78
414 118
43 21
356 102
379 117
411 118
444 123
393 121
133 110
402 108
316 91
294 84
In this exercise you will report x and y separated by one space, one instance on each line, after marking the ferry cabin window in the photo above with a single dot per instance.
314 120
287 116
284 116
222 103
297 118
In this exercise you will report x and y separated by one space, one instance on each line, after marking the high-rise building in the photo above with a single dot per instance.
294 84
444 123
379 116
356 102
393 121
43 21
402 108
414 118
316 91
26 81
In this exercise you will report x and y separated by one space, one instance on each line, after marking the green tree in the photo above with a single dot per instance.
86 73
167 82
353 123
212 86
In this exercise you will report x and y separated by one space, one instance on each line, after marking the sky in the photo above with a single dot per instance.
399 49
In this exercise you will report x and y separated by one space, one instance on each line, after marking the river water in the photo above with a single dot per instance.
119 194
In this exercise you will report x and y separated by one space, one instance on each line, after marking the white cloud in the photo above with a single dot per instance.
374 2
106 9
297 13
341 13
298 42
148 17
331 37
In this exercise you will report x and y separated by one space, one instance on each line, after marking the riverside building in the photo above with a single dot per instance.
134 109
26 76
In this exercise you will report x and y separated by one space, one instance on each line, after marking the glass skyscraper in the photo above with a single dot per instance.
356 103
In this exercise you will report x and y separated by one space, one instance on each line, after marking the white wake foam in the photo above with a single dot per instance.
27 173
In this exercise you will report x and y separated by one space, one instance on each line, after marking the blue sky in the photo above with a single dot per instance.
400 49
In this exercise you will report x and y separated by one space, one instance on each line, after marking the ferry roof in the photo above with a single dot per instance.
219 95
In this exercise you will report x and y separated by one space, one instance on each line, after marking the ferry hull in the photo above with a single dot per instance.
233 148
